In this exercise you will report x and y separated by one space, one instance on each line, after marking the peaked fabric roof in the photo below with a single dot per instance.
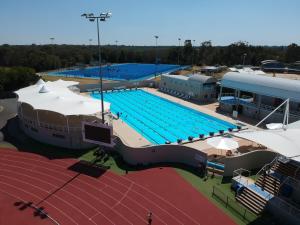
57 97
268 86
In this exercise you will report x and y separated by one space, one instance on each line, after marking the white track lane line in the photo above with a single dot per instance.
102 192
101 182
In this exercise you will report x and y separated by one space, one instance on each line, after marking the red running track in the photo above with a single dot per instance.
70 198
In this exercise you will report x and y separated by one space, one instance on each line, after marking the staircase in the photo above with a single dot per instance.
269 183
286 169
252 201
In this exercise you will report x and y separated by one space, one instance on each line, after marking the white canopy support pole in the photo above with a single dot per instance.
221 90
37 115
238 100
272 112
286 115
68 125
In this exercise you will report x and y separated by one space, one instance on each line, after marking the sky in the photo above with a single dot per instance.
136 22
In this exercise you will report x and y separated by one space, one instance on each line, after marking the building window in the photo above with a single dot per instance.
58 136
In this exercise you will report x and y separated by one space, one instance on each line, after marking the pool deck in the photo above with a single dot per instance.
132 138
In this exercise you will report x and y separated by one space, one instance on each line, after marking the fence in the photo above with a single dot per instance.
232 204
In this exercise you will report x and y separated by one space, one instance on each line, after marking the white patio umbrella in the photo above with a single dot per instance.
223 143
274 126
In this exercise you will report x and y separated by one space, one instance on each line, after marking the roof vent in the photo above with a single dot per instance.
44 89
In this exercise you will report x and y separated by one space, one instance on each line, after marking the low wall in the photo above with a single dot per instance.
115 84
160 154
251 160
8 110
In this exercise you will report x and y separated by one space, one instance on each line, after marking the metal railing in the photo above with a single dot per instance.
232 204
268 165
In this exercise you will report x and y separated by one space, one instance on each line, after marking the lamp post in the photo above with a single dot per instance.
90 41
193 58
156 37
178 59
116 43
102 17
244 58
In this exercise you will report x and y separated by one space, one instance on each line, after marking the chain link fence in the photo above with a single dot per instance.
232 204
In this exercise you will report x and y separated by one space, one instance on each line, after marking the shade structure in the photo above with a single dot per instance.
274 126
57 97
224 143
285 142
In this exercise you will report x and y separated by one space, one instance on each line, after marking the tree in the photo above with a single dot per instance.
292 53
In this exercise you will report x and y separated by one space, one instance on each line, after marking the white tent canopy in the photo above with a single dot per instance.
223 143
285 142
57 97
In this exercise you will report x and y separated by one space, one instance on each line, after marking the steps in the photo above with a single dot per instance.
287 169
252 201
269 184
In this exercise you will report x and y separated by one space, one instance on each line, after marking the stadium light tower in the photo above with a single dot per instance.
178 59
52 40
156 37
193 58
102 17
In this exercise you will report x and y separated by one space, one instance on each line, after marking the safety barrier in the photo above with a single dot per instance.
232 204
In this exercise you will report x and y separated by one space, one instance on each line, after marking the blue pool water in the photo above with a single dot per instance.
160 120
130 71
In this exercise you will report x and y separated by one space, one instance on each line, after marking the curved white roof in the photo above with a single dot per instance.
268 86
57 97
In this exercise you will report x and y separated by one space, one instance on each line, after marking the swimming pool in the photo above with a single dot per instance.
160 120
128 71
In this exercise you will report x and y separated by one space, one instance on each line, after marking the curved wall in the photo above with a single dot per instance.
53 128
160 154
251 160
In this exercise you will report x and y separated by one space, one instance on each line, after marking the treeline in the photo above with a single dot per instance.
48 57
14 78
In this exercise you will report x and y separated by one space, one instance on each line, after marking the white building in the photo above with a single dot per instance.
52 113
257 95
198 87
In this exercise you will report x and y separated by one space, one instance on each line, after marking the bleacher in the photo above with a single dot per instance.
268 185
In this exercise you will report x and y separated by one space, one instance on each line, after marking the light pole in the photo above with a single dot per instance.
90 41
52 40
244 58
116 43
193 58
178 59
102 17
156 37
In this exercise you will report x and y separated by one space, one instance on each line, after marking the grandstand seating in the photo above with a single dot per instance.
269 183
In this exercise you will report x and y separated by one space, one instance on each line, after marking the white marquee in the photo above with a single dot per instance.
57 97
